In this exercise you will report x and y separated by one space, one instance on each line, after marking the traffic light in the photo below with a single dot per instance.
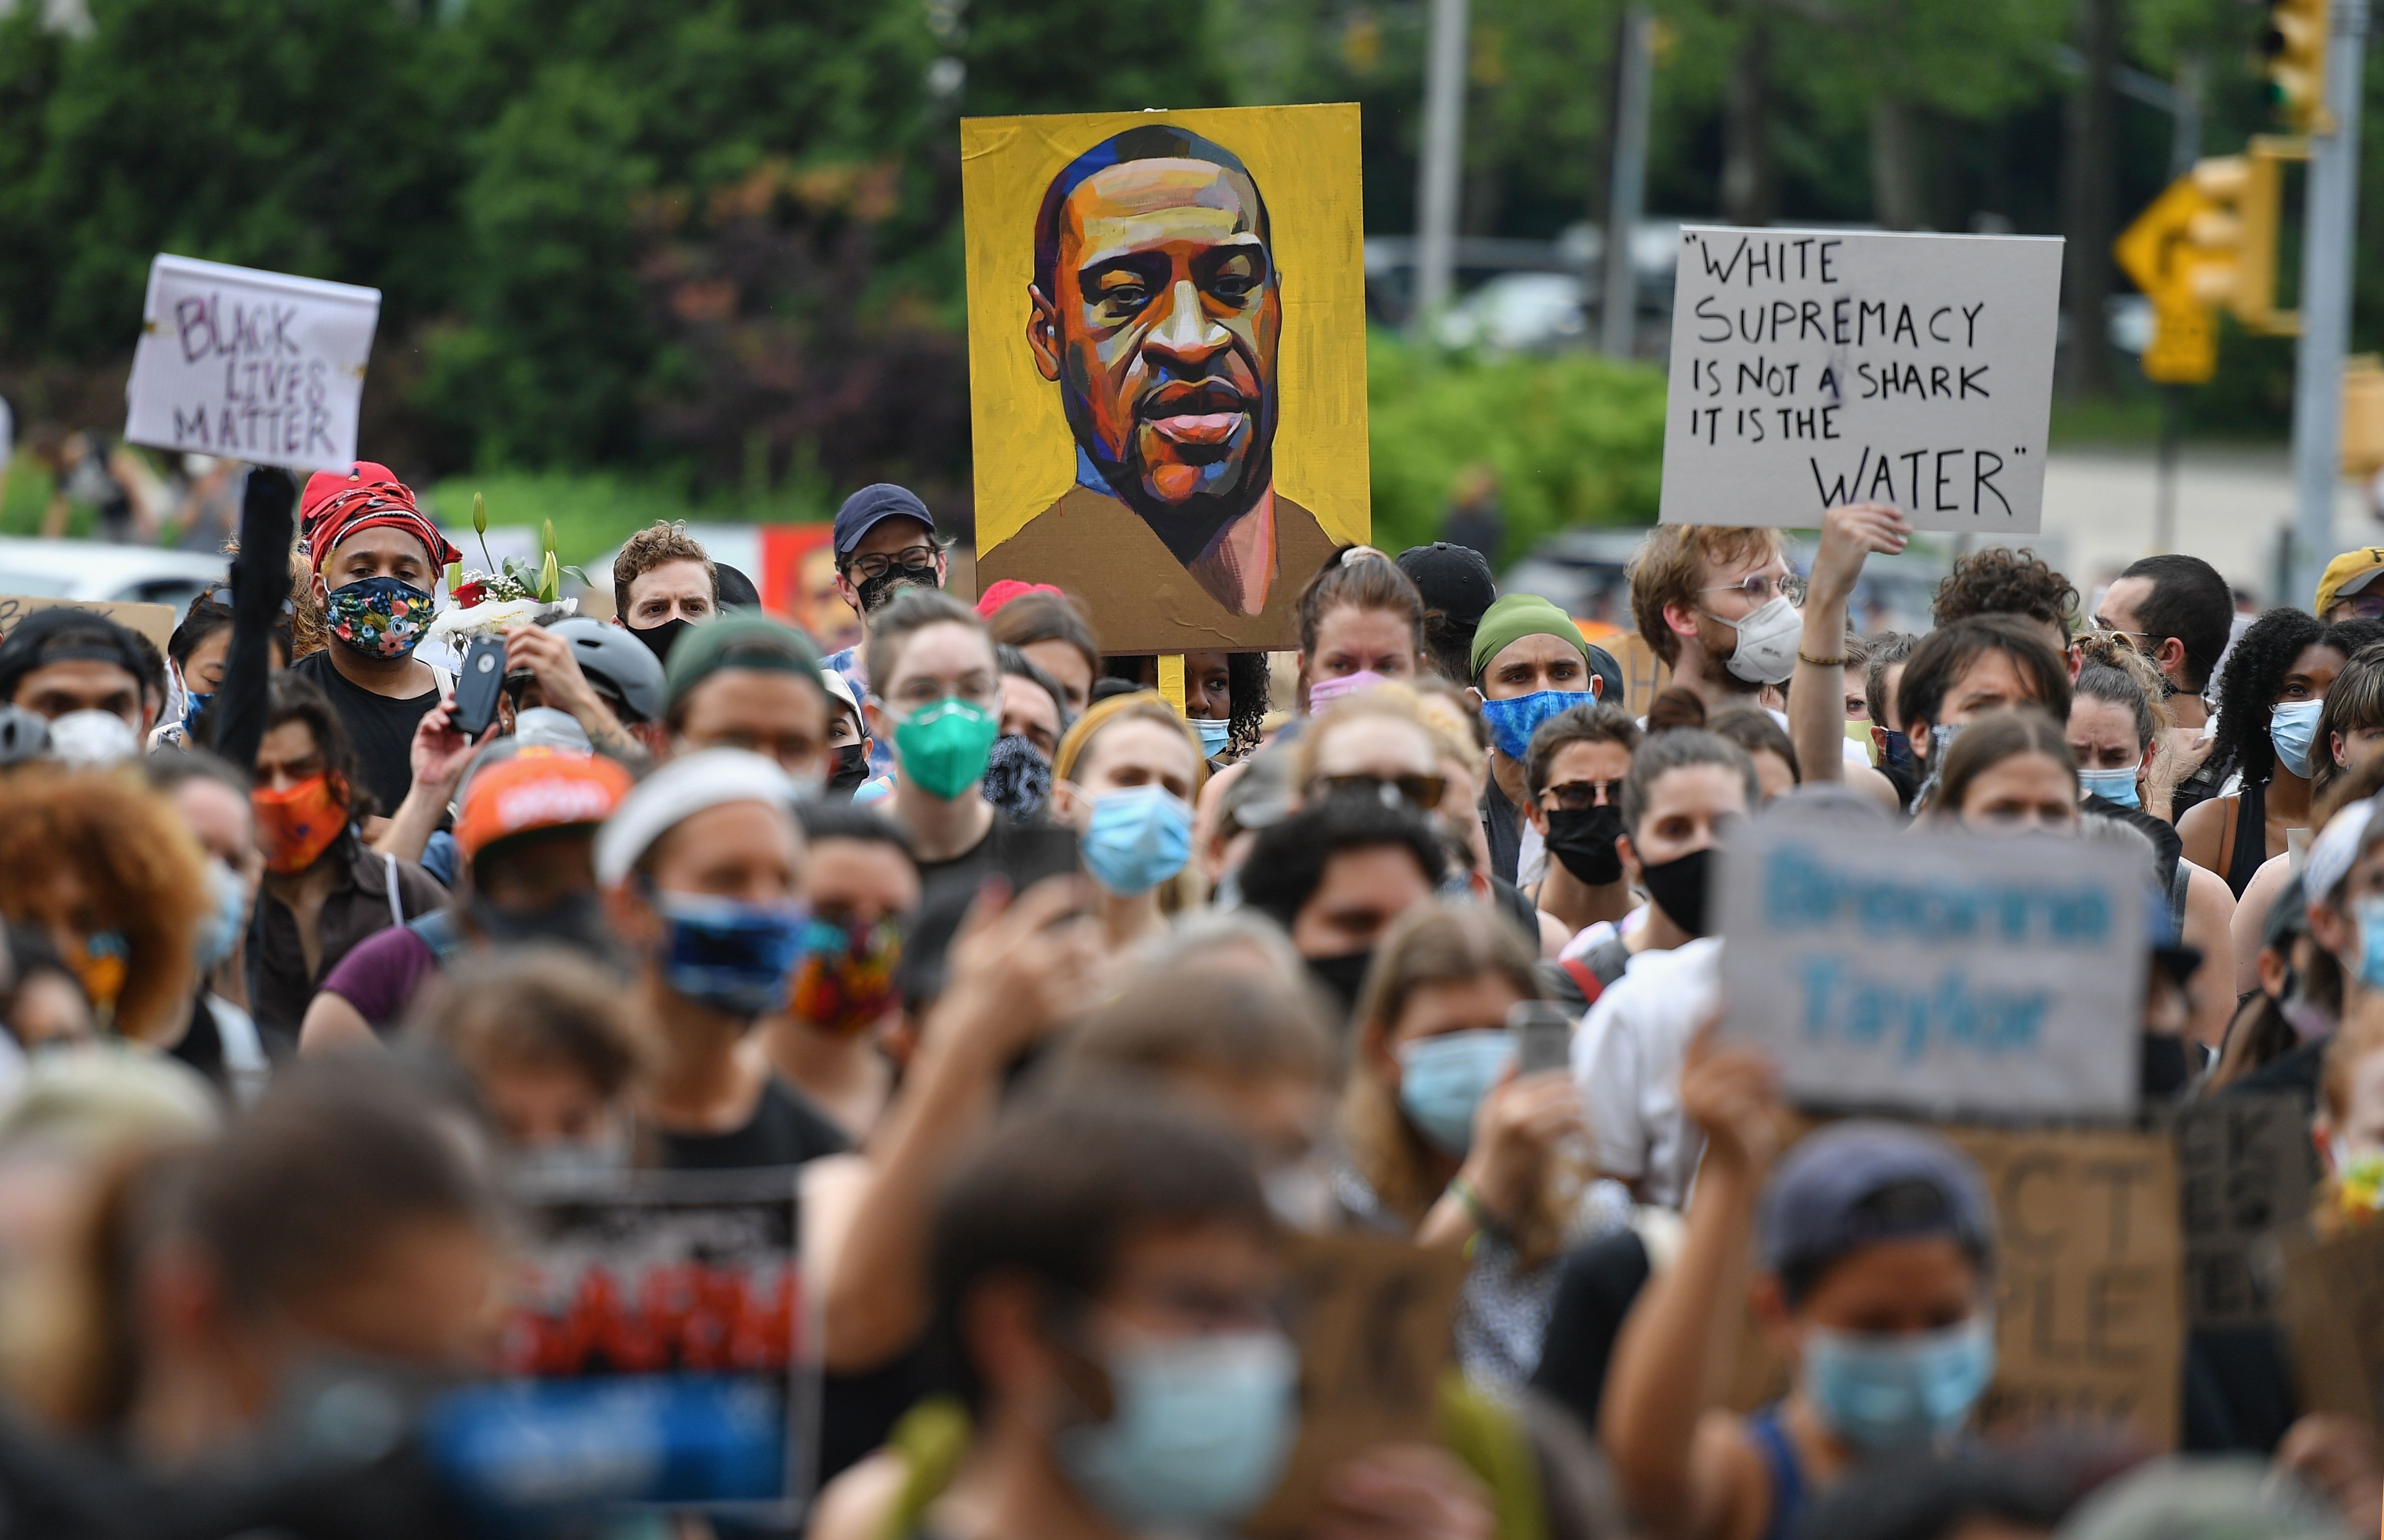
2230 256
2292 56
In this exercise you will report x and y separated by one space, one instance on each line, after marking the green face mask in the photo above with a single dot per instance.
942 745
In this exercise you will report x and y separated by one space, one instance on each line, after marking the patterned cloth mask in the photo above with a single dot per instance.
380 617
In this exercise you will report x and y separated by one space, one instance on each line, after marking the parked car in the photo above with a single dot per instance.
97 570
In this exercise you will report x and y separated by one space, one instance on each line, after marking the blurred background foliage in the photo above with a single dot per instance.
649 256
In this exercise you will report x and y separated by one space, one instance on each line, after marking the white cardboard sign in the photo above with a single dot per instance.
1812 368
1932 972
258 366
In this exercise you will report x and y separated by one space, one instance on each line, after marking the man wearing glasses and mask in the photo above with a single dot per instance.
1719 605
885 541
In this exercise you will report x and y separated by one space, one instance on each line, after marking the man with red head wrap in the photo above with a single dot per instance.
377 558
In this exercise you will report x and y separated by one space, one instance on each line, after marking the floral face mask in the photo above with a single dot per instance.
380 617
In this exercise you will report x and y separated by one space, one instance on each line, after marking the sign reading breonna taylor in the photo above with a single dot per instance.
1812 368
249 366
1938 973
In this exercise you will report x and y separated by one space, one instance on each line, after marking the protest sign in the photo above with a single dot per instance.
1934 971
2246 1169
2334 1311
153 620
654 1338
1812 368
258 366
1184 497
1373 1323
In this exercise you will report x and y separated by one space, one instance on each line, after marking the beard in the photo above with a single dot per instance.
1721 641
1192 527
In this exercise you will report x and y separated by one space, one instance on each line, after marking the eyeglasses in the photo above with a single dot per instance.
2362 607
2107 629
1761 587
917 561
1422 792
1574 797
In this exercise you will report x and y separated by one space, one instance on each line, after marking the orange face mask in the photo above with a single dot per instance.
295 827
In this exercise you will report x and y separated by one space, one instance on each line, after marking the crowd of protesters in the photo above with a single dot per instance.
1076 1009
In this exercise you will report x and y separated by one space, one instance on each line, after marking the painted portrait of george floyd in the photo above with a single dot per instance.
1167 363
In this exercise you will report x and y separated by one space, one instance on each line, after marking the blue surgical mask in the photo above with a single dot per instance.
2293 727
736 959
2370 914
2114 785
194 706
1512 722
220 930
1198 1433
1138 838
1878 1391
1215 734
1442 1079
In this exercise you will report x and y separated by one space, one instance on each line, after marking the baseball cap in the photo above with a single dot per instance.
745 641
537 789
1831 1196
2347 575
839 693
65 635
686 786
1454 580
866 508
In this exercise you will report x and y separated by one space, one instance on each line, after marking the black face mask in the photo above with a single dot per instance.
1343 976
851 768
660 639
876 591
1017 778
1679 888
1584 840
574 920
1896 763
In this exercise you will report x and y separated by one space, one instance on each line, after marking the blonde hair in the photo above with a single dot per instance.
1388 699
1437 943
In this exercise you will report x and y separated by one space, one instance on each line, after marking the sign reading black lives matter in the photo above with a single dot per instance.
1937 973
1812 368
258 366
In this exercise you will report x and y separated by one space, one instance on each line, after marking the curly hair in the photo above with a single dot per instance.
1249 688
654 546
2247 689
2000 581
95 851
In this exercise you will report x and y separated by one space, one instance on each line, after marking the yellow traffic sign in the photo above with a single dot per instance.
2184 349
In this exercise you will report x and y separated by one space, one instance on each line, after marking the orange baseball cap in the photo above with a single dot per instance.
537 788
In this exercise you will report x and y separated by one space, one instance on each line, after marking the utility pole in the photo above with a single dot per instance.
1444 153
2331 225
1626 187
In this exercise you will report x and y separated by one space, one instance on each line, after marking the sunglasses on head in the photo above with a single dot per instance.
1422 792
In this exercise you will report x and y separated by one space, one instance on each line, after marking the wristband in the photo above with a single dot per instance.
1475 1209
1804 656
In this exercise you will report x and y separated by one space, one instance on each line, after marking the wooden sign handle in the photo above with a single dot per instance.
1171 678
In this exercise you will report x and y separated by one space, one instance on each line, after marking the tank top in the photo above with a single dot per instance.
2251 848
1787 1474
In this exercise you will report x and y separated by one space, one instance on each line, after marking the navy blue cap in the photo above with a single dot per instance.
879 500
1813 1211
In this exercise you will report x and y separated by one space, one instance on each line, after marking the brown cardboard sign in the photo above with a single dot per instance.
156 621
2334 1314
2246 1169
1372 1320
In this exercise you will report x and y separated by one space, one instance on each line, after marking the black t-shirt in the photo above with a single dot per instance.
1596 1288
1502 827
784 1130
381 729
1022 853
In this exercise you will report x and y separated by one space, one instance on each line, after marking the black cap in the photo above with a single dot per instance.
65 635
735 590
1454 580
863 512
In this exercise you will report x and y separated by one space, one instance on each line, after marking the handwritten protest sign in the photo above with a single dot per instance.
1812 368
1373 1324
2334 1317
654 1339
2245 1170
256 366
1935 972
153 620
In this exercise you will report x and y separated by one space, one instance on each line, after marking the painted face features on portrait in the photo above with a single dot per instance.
1162 335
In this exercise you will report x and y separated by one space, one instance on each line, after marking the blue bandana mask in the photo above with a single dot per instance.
1512 722
1443 1079
733 957
1879 1391
380 617
2112 786
194 706
1138 838
1199 1435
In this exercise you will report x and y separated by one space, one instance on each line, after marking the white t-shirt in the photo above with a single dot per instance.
1627 1057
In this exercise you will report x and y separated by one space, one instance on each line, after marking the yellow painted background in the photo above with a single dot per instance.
1304 162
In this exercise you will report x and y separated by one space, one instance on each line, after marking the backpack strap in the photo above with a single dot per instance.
1590 984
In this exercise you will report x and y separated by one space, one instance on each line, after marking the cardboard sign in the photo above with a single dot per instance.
1167 363
2334 1315
655 1340
1935 972
2245 1170
1373 1330
1812 368
156 621
258 366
